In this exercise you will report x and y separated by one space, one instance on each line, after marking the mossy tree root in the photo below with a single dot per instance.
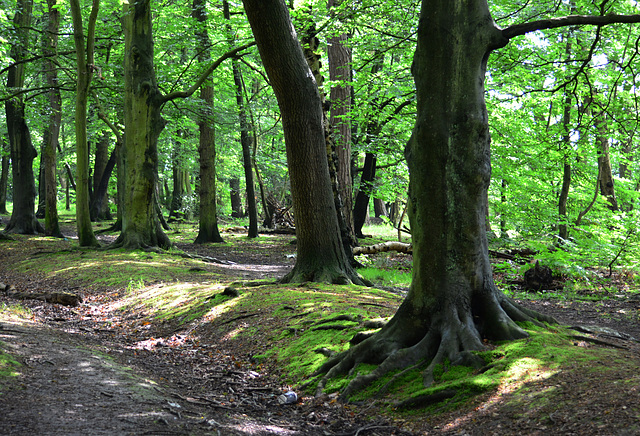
325 274
450 336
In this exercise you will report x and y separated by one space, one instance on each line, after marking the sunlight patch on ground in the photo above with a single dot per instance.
251 428
525 371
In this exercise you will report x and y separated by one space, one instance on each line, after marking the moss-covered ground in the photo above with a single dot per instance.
289 330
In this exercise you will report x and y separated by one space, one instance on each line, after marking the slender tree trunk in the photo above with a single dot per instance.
208 220
339 55
604 161
23 219
52 132
246 140
321 256
143 125
4 174
563 233
85 64
98 206
235 198
361 206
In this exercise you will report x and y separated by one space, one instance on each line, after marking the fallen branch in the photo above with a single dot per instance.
64 298
382 247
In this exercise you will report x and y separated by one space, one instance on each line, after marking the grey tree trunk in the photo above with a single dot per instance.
4 174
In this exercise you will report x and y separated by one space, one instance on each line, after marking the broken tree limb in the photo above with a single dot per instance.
64 298
401 247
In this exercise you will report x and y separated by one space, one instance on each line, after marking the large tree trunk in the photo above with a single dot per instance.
321 256
143 125
85 64
453 303
23 219
208 219
52 132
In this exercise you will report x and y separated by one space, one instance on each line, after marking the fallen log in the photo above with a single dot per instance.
400 247
64 298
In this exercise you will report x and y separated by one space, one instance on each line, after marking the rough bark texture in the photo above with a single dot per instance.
453 303
52 131
143 124
321 256
208 220
23 219
339 55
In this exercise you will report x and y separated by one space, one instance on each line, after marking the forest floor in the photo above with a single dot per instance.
97 370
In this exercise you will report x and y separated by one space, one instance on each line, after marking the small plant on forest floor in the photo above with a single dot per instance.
386 277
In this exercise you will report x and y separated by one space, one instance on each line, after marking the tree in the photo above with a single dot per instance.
143 124
321 256
4 174
23 219
52 131
339 55
246 140
85 70
453 303
208 217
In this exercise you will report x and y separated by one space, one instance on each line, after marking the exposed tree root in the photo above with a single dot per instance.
137 241
451 334
325 274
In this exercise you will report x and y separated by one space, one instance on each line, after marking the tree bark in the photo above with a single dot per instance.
246 138
85 67
605 178
361 206
103 165
208 219
339 55
52 132
23 219
321 256
4 174
453 303
236 200
143 124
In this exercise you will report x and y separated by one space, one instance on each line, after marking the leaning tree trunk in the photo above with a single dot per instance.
453 303
52 132
361 206
321 256
98 206
23 218
143 125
